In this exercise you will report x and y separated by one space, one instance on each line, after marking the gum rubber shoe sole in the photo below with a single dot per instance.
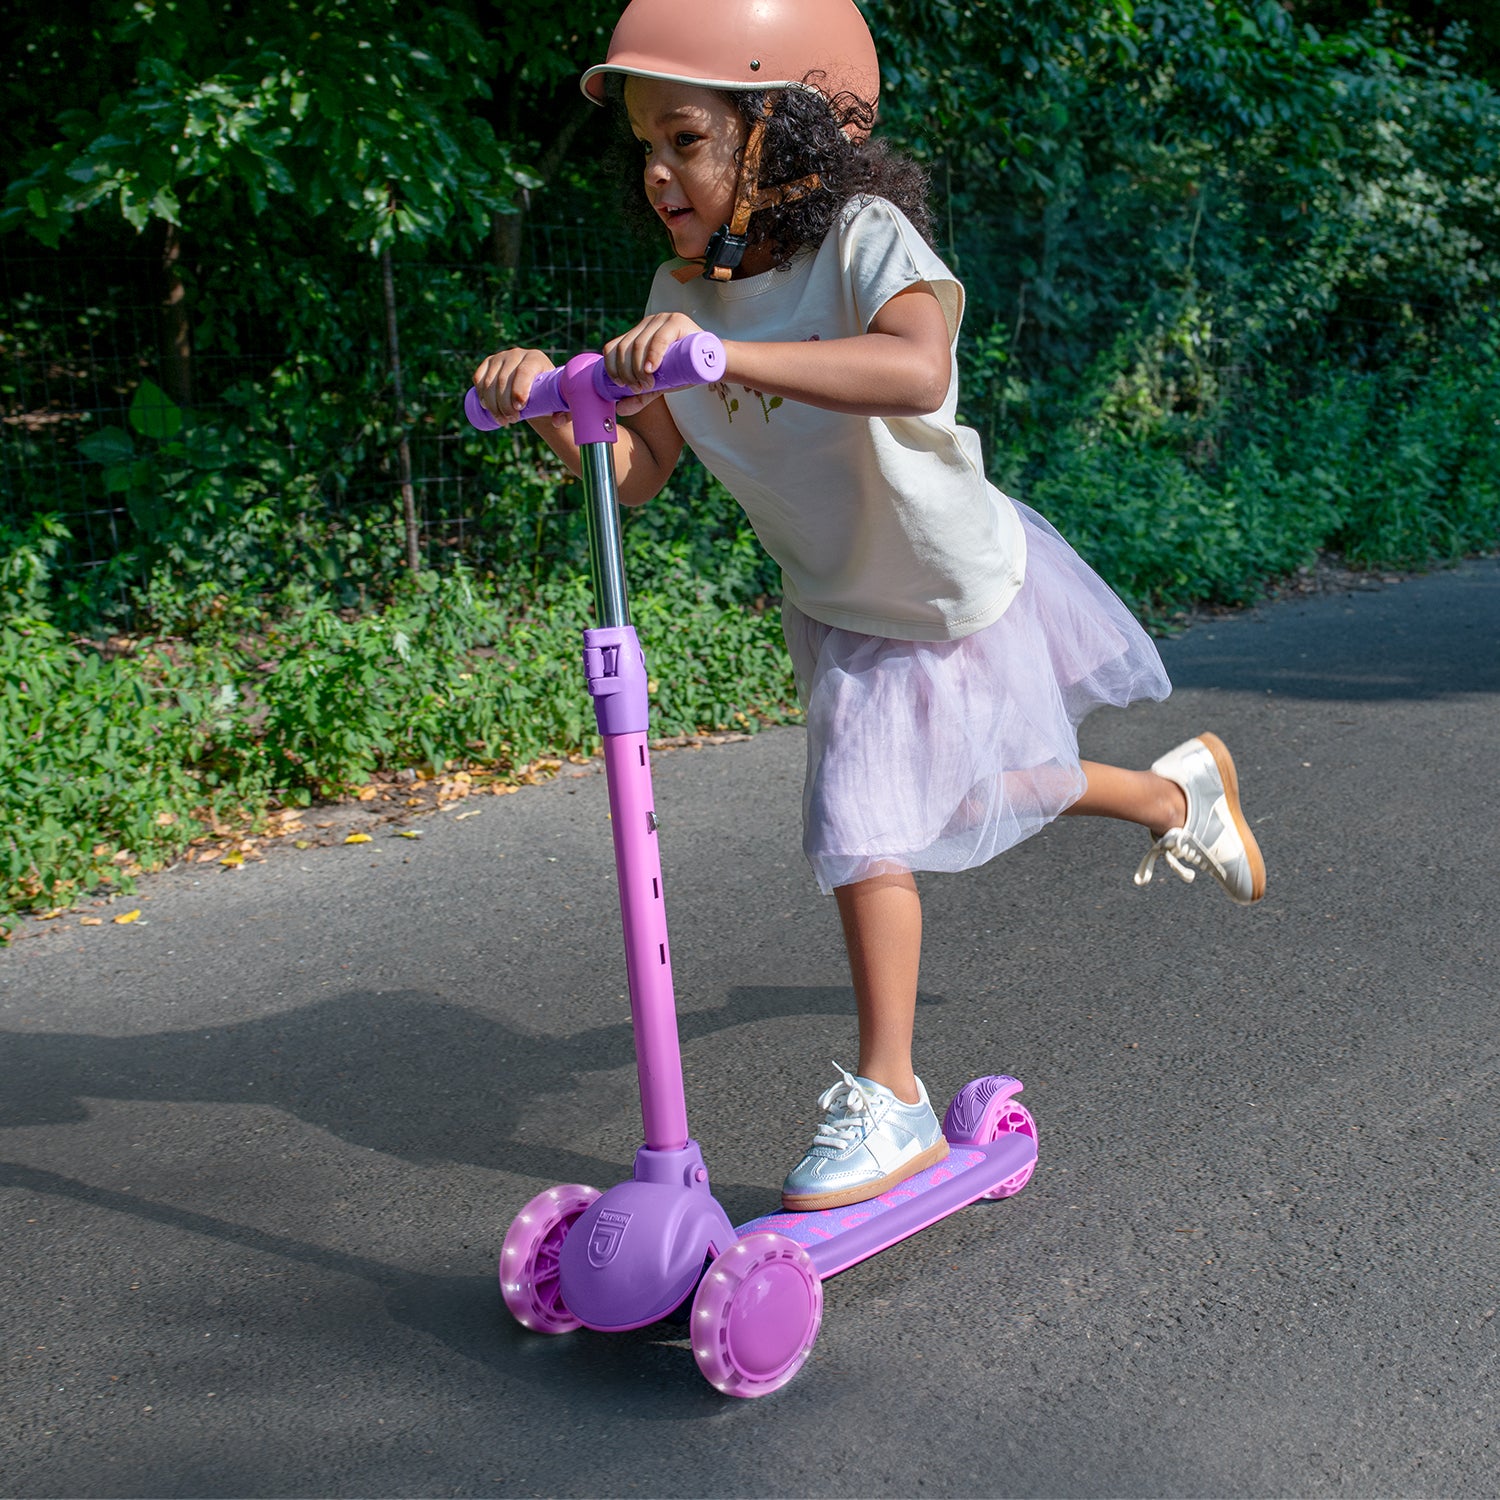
813 1202
1225 762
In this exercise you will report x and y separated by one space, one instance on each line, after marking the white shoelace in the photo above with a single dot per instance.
850 1113
1182 851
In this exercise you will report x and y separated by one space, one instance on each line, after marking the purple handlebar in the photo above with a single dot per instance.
695 360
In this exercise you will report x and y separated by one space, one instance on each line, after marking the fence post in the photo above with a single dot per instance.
403 447
176 334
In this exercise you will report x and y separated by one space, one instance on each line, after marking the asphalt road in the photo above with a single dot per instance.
261 1147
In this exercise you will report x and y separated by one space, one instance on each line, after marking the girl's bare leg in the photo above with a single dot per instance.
1132 796
882 920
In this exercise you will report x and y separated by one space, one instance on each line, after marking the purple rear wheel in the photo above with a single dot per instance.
529 1280
983 1111
756 1315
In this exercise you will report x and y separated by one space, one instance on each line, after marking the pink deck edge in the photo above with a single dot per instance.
837 1238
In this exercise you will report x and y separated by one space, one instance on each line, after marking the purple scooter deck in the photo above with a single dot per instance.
837 1238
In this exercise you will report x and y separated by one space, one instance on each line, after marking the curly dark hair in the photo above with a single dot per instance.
805 134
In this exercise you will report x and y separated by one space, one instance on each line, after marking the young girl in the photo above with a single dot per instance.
946 640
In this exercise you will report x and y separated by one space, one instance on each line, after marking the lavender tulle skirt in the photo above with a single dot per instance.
927 755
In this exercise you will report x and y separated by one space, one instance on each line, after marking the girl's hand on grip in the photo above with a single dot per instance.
504 382
634 358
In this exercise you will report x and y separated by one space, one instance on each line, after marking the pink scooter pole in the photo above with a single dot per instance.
615 668
639 1250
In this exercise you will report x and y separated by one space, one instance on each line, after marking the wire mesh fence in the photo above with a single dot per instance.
82 339
317 431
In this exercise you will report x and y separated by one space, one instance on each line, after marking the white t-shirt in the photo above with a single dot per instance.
884 525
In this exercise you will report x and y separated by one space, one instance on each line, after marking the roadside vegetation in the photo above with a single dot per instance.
1232 274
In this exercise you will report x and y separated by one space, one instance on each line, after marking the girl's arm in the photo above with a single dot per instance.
900 368
648 445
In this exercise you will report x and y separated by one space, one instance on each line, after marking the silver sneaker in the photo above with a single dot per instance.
1216 836
869 1141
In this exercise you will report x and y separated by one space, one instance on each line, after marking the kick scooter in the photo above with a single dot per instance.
631 1256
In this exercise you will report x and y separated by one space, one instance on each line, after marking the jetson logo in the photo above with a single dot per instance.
604 1242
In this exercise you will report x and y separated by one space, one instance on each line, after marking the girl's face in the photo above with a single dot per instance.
691 137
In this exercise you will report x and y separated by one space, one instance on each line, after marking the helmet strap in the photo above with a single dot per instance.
727 246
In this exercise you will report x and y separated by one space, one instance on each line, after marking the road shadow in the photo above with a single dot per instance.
400 1074
463 1312
1433 636
405 1074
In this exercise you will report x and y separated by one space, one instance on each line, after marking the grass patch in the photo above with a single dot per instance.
120 754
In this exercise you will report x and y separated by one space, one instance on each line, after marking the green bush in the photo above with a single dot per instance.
115 761
99 759
1392 466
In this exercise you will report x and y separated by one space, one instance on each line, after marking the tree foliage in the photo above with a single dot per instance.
1154 204
358 109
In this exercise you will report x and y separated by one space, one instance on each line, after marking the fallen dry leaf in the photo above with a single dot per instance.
358 838
416 833
91 921
233 861
127 916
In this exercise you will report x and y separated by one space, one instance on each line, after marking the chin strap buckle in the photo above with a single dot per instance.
725 251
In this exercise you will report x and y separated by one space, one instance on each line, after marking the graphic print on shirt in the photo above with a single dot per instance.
732 403
767 404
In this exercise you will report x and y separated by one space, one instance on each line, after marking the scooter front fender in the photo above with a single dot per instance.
637 1253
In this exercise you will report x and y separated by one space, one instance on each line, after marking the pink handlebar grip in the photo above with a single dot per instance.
479 415
695 360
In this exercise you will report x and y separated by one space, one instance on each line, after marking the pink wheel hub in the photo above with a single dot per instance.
756 1315
529 1280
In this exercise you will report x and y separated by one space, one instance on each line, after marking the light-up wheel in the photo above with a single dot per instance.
756 1315
529 1280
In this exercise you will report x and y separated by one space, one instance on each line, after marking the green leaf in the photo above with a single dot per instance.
144 506
110 445
121 479
153 413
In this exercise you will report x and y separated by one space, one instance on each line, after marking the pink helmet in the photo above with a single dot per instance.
743 44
